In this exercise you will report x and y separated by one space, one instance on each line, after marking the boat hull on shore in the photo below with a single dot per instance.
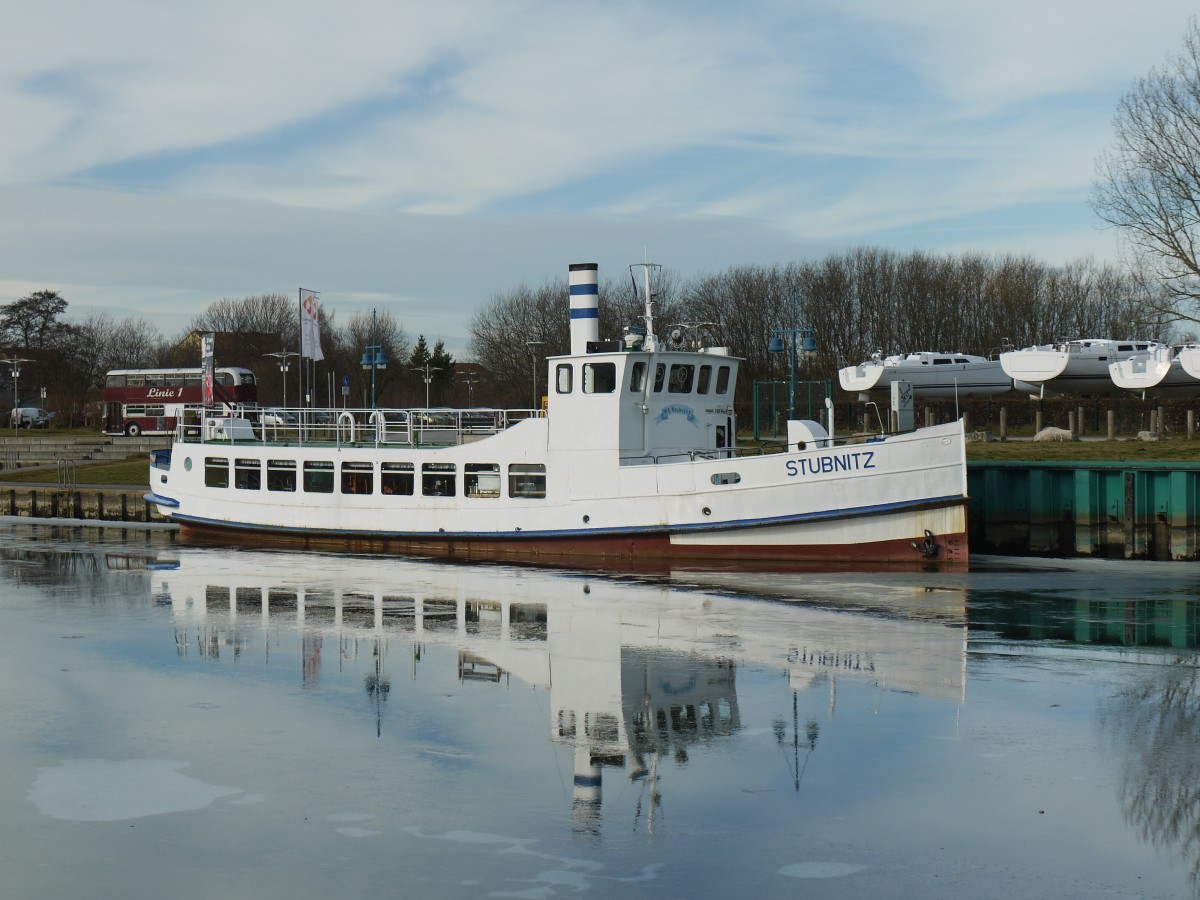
932 376
1079 367
1159 372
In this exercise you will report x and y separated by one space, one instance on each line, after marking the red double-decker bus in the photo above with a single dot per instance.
151 401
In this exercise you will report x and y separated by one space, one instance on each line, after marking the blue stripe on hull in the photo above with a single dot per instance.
699 528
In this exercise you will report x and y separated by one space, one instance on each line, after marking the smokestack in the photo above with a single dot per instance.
584 281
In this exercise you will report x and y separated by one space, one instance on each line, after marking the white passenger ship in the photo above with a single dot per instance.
633 460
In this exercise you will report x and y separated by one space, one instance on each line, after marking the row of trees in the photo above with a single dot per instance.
68 358
858 302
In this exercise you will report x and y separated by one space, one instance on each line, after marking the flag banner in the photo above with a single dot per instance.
310 328
208 344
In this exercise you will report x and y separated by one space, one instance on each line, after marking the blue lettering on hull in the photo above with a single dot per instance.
828 463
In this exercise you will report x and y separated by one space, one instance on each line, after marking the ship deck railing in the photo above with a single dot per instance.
343 427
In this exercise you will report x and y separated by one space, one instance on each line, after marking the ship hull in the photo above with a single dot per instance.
896 537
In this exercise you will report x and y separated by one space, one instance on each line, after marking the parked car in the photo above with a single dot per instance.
274 415
30 417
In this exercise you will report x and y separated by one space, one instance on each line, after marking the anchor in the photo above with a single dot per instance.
927 548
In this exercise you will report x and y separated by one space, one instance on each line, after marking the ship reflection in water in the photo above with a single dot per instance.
1026 728
637 671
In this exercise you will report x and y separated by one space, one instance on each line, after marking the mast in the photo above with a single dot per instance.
651 342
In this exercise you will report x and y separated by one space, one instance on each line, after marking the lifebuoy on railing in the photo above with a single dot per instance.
346 419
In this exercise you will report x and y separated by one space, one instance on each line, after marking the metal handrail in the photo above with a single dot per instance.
382 427
68 476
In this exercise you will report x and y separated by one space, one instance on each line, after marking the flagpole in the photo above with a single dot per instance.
300 333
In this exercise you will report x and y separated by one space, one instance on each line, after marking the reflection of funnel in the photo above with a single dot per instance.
585 800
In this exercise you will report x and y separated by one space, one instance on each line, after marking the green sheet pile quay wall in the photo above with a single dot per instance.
1113 510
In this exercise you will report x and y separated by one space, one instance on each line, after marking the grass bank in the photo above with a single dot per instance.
134 470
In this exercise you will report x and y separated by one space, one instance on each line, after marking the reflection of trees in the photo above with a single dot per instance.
1155 727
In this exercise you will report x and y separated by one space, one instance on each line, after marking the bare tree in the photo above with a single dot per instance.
345 348
1148 183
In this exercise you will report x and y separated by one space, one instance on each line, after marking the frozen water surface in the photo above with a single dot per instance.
201 722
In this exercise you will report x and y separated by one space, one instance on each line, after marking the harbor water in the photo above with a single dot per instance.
200 722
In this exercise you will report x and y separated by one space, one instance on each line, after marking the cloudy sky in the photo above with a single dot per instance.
420 157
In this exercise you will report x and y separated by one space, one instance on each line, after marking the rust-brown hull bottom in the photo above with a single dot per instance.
634 553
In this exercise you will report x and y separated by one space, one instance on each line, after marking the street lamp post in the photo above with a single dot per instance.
533 355
14 365
469 380
374 358
281 357
428 371
809 345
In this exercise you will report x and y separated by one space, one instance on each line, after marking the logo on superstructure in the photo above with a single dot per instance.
677 410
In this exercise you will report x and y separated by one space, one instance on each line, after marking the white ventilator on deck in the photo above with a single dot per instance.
583 279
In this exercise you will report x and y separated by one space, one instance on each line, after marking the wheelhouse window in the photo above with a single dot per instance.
599 378
703 379
358 478
216 471
396 478
437 480
281 475
723 380
481 480
563 378
318 477
681 379
637 377
247 474
660 376
527 480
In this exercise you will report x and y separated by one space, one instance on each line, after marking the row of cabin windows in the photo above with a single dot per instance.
172 379
683 378
525 480
153 411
